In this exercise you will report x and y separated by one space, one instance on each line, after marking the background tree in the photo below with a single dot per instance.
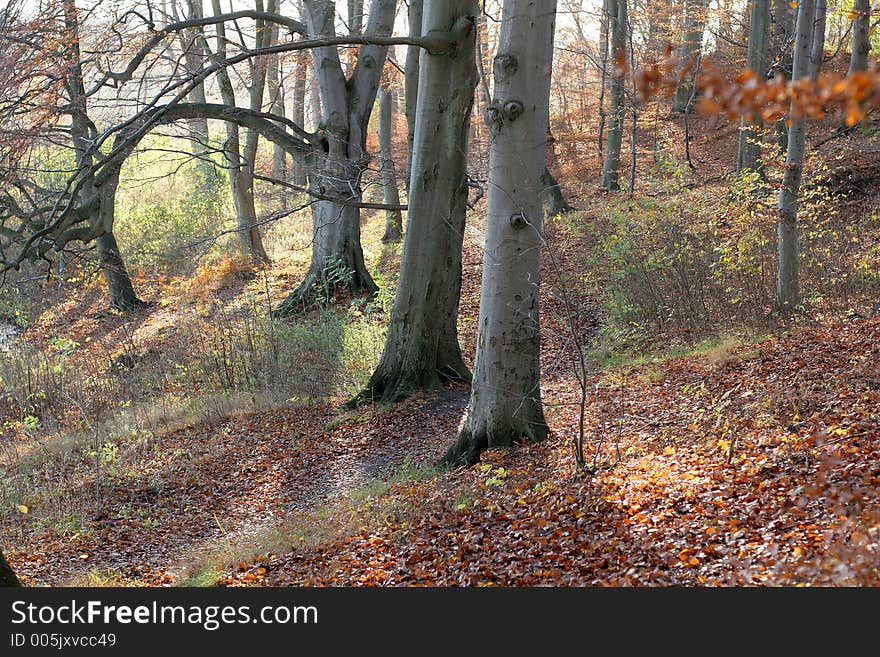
411 83
749 147
505 402
787 292
693 26
387 173
241 162
861 40
83 132
617 19
347 103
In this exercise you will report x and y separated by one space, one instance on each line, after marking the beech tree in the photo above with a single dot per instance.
749 150
411 80
861 40
387 173
694 24
347 103
808 48
421 348
83 132
505 403
782 44
241 161
617 19
7 575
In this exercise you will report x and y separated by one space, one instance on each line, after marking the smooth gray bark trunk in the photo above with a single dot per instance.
505 404
604 32
411 80
817 47
298 111
275 87
241 162
192 42
421 348
347 103
7 575
611 166
391 196
782 45
694 24
787 292
749 150
861 42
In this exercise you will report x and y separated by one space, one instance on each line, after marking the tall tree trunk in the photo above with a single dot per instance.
694 24
782 36
749 152
241 174
610 169
275 87
393 218
861 42
604 32
421 348
411 81
7 575
82 133
347 104
298 110
817 47
787 293
505 404
315 110
193 45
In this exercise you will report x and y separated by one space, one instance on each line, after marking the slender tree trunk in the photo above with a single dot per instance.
275 88
393 218
787 293
192 44
783 39
604 31
7 575
241 174
749 151
610 169
315 109
694 24
411 81
421 348
505 404
861 42
347 104
817 47
298 110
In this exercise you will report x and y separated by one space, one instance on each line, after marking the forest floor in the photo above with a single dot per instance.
746 461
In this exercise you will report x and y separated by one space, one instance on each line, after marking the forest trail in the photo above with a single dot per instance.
735 466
